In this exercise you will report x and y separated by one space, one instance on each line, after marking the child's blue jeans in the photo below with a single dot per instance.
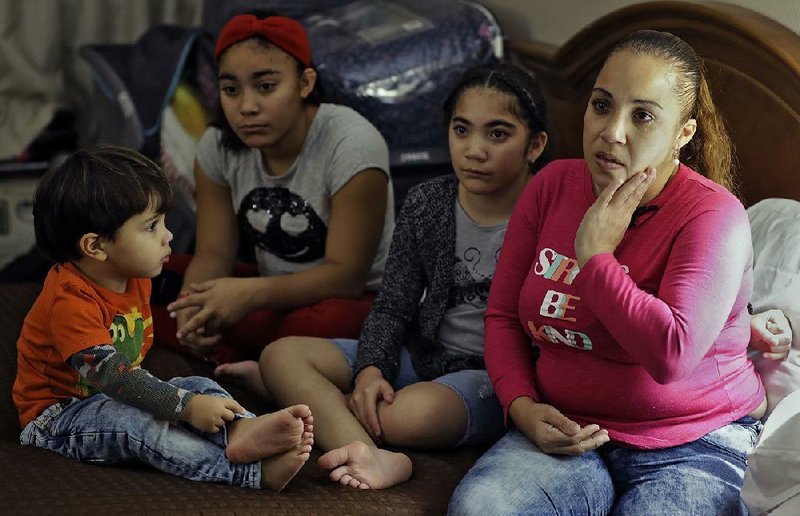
100 430
703 477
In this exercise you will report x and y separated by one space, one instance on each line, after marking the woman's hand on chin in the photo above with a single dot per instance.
606 221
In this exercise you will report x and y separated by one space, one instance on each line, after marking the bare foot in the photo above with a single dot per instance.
308 431
244 374
364 467
278 470
252 439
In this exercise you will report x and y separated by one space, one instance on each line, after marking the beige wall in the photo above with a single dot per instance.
555 21
39 42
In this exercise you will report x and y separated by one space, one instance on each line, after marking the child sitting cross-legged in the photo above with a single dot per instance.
80 390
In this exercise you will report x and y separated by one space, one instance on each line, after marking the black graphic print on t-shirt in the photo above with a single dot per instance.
283 224
472 279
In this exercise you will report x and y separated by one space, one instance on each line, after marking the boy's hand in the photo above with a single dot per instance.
771 333
210 413
553 432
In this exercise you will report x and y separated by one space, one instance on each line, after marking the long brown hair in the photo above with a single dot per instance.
710 151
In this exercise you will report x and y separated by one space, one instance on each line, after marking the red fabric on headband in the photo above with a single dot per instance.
285 33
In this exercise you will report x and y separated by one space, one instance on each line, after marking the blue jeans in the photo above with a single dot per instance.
703 477
484 413
100 430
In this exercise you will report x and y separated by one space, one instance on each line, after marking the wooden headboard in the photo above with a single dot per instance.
753 68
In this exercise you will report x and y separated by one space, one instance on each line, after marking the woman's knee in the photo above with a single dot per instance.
699 494
516 477
490 488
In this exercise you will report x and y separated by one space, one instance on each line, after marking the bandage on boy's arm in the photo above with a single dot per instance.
110 372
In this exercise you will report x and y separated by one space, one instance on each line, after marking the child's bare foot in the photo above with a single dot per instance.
364 467
278 470
244 374
252 439
308 431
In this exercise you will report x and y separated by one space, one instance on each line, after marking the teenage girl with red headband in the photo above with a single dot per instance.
307 184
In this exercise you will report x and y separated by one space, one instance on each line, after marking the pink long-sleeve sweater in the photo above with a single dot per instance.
648 342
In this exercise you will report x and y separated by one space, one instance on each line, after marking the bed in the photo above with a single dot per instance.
754 66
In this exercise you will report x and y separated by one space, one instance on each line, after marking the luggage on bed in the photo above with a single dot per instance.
395 62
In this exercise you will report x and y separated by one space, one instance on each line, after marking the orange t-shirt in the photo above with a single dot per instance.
72 314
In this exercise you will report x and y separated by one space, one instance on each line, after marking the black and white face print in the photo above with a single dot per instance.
283 224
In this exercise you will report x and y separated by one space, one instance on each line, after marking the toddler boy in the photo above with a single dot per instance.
80 390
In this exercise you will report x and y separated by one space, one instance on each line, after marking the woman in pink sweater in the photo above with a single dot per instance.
630 272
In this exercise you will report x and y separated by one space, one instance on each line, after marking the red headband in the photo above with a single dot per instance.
285 33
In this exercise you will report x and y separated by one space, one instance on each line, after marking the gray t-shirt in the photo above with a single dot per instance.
477 251
287 216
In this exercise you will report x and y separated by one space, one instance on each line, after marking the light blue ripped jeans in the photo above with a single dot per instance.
703 477
100 430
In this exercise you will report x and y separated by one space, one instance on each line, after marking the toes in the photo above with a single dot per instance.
351 481
337 474
299 411
333 458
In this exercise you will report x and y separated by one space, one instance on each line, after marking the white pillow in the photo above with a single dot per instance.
773 465
772 479
775 227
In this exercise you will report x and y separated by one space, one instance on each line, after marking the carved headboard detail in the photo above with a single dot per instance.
753 68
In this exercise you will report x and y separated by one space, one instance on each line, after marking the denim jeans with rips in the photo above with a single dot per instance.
100 430
703 477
